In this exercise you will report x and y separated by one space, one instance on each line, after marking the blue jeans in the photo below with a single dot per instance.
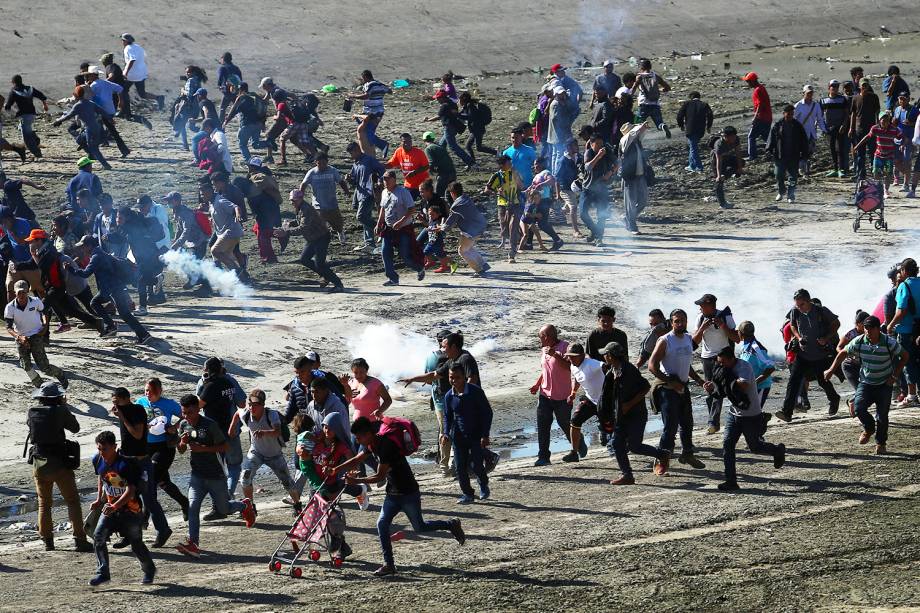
880 396
233 458
752 429
468 450
912 368
402 241
557 152
628 432
197 138
247 133
372 135
676 413
364 213
599 198
411 505
449 139
148 493
653 111
129 526
198 488
759 129
693 156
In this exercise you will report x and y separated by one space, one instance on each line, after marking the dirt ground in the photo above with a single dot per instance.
833 530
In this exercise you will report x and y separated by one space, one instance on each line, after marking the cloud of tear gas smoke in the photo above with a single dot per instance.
599 23
393 352
224 282
762 293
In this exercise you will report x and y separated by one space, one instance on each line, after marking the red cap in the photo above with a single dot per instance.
751 76
556 67
440 95
37 234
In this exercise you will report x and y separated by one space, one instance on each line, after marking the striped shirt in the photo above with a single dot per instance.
375 90
884 141
876 361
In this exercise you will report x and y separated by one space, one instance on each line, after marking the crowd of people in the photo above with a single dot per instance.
406 202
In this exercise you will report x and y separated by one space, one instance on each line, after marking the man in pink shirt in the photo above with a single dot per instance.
552 389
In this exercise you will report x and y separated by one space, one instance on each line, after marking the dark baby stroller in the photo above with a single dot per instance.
870 204
320 527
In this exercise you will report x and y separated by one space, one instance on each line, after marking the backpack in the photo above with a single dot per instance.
335 385
204 222
261 107
484 114
713 140
300 113
458 125
285 429
402 432
648 83
912 307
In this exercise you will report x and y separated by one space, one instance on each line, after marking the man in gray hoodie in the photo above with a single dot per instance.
227 230
471 223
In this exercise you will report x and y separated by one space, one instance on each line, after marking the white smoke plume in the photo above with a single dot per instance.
762 292
393 352
224 282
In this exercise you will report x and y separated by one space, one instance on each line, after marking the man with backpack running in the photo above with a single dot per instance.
252 111
477 116
649 86
402 491
814 334
267 437
881 360
112 277
715 330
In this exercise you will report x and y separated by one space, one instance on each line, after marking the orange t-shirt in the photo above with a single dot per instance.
407 162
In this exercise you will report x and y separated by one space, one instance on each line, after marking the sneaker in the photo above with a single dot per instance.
726 205
146 123
109 331
780 458
49 544
161 538
464 499
121 543
390 283
457 530
161 102
778 197
363 499
387 569
880 449
297 509
484 493
62 328
661 466
909 401
287 500
213 516
624 480
189 548
712 429
571 456
690 169
689 458
911 194
864 437
834 406
729 486
541 462
363 249
99 580
790 200
831 173
81 545
557 245
249 512
140 312
148 576
667 132
65 382
421 274
599 242
782 417
376 250
143 340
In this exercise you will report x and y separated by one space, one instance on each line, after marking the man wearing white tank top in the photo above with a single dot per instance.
671 365
715 330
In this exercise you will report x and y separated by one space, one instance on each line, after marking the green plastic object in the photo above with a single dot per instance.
330 89
400 83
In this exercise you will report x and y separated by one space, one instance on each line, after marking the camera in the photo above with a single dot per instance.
713 322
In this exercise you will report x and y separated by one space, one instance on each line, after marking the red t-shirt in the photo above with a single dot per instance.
407 162
762 109
884 141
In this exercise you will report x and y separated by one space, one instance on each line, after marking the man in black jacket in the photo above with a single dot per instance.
788 144
47 422
623 403
695 119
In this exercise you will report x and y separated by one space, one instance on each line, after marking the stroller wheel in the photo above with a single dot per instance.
274 566
315 555
337 562
297 572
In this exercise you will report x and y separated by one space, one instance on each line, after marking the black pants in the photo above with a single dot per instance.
146 283
442 182
475 138
109 123
86 298
546 226
64 305
313 257
712 403
798 371
162 456
122 305
839 143
226 101
468 451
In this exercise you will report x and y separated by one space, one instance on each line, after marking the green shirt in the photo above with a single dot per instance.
876 361
439 160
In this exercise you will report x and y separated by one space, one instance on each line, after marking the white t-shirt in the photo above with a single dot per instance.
27 321
590 376
621 91
139 69
715 339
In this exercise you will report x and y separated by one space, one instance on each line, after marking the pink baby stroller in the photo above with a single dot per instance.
869 199
320 527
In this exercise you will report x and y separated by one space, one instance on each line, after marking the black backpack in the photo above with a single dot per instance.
285 429
300 113
484 114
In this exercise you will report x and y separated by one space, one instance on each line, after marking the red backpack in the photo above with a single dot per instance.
403 432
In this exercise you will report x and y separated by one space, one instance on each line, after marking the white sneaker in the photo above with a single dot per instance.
910 401
364 498
778 198
377 251
288 501
140 312
363 249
